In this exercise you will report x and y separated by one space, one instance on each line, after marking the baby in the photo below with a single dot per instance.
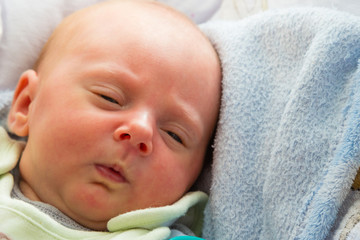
118 113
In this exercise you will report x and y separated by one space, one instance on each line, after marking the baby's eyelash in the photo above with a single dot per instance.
109 99
175 136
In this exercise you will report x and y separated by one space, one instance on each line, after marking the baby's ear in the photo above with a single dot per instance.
24 95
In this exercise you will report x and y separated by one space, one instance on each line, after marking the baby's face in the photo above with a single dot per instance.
120 123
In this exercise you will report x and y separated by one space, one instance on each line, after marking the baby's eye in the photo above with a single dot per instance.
109 99
174 136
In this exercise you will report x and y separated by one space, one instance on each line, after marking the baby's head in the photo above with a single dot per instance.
118 111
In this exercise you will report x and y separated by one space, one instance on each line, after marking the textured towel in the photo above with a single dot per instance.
287 143
5 102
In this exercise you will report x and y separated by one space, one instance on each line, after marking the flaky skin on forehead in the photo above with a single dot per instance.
143 9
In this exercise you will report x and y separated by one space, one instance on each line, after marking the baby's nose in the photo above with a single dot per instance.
138 132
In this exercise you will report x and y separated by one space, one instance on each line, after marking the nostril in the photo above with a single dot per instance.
124 136
143 147
138 141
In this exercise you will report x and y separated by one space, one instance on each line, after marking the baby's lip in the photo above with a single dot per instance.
112 172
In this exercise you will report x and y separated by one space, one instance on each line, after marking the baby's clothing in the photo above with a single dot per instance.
21 217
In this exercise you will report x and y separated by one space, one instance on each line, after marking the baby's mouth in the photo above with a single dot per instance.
113 172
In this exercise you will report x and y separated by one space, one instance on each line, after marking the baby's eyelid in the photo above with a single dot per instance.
109 99
175 136
109 94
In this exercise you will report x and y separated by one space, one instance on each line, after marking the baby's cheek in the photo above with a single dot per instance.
176 180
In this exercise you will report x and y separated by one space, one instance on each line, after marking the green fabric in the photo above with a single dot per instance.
20 220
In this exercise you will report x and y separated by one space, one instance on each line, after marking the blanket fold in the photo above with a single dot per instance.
287 143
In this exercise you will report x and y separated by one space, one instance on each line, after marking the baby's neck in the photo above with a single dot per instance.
28 191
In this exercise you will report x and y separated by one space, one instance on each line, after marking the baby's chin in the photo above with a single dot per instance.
97 226
84 219
89 207
88 219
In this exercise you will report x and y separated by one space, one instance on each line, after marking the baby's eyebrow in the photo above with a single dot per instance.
191 120
110 72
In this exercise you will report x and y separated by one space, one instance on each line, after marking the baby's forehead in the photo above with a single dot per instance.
126 18
89 31
117 15
129 11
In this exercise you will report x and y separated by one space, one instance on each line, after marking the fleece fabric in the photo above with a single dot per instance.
287 143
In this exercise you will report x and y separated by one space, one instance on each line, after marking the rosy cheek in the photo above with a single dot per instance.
176 179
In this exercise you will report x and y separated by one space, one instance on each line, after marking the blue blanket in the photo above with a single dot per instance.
287 143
